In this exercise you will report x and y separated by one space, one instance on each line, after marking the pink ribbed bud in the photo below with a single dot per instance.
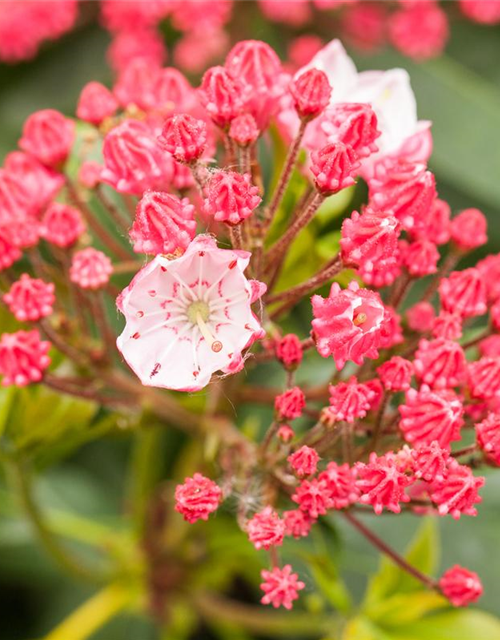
48 136
266 529
490 346
184 137
30 299
421 316
484 378
447 325
61 225
368 238
381 273
289 351
8 252
90 269
133 159
431 415
17 210
280 587
311 93
440 363
23 357
173 93
340 481
222 95
396 374
381 483
459 585
313 497
350 400
419 30
464 292
334 167
135 85
285 433
354 124
255 63
468 229
304 461
488 436
457 493
96 103
244 130
197 498
163 223
430 462
289 405
231 197
489 267
297 523
420 258
437 227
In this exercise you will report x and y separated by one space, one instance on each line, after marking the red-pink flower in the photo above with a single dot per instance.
382 483
430 462
420 258
311 93
134 160
8 252
30 299
334 167
163 223
280 586
468 229
297 523
440 363
48 136
396 374
354 124
484 378
90 269
197 498
370 237
244 130
266 529
222 95
459 585
488 436
61 224
421 316
447 325
350 400
419 30
289 405
23 357
304 461
289 351
313 497
464 292
349 324
231 197
184 137
96 103
431 415
340 481
457 493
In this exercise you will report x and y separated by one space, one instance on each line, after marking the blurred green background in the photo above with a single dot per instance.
460 93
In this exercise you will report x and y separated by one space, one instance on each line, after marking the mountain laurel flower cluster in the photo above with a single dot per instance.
158 202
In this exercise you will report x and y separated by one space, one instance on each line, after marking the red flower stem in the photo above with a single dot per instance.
347 443
277 252
401 287
130 205
472 343
101 232
448 263
113 210
465 451
271 432
286 174
128 266
61 345
273 553
83 390
389 552
377 431
245 161
236 236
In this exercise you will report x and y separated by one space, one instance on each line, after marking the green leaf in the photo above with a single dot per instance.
452 625
403 608
390 579
329 582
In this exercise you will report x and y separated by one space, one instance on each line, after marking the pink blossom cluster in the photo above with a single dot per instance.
408 407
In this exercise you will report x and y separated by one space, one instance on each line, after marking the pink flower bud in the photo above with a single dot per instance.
222 95
184 137
488 437
334 167
459 585
340 481
89 174
419 30
484 378
468 229
420 258
163 223
420 317
23 357
137 44
289 404
285 433
90 269
8 252
266 529
464 292
350 400
480 11
30 299
96 103
447 325
381 483
396 374
311 93
304 461
313 497
48 136
280 587
364 25
430 462
61 225
353 124
289 351
457 493
197 498
489 268
297 523
244 130
440 363
231 197
369 237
